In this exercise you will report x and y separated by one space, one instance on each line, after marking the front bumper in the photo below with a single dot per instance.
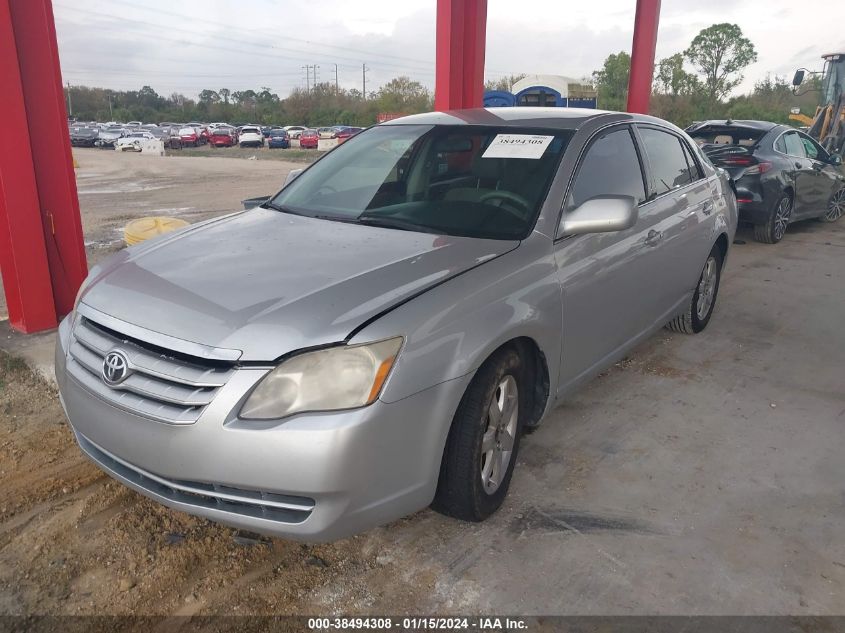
312 477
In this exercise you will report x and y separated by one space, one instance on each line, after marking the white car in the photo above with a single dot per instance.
133 141
294 131
251 137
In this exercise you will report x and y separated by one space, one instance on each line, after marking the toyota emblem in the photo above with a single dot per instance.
115 368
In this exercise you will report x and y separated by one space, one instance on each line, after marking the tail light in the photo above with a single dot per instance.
760 168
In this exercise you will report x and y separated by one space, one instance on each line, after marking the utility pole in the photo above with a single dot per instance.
69 102
316 68
111 114
364 70
336 89
307 71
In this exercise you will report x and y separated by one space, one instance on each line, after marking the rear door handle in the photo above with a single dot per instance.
707 207
798 166
653 238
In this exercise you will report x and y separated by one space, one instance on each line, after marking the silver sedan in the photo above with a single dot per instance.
377 336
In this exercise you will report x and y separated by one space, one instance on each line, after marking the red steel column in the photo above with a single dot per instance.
461 39
642 55
23 257
41 78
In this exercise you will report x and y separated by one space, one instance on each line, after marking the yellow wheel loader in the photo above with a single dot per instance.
828 124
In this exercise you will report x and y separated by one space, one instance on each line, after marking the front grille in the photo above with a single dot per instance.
252 503
162 385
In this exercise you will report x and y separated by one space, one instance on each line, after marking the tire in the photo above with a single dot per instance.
835 207
471 487
773 230
697 314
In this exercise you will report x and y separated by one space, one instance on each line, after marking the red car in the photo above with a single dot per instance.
189 136
308 139
346 133
222 137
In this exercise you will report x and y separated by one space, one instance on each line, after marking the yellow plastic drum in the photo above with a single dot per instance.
145 228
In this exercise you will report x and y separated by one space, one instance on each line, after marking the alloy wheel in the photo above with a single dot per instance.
782 214
500 434
836 206
707 288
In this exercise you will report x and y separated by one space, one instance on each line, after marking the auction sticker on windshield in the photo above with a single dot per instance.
517 146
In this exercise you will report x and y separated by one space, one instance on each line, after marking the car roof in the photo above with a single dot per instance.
555 118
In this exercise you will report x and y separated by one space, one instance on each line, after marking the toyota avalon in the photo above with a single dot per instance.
376 337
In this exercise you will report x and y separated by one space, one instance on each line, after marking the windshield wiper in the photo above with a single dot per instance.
388 222
280 207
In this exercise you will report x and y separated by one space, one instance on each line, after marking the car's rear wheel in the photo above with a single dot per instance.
700 308
773 229
481 449
835 207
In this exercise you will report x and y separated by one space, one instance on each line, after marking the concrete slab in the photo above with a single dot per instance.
35 349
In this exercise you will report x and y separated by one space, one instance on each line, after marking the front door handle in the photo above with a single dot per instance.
798 165
653 238
707 207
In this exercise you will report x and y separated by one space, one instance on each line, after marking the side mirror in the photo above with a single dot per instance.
292 174
602 214
797 78
835 160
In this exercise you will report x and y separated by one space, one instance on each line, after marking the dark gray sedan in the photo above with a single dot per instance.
377 336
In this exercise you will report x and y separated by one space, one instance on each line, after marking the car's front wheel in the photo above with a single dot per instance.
700 308
835 207
481 449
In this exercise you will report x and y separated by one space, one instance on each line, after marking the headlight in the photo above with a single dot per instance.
343 377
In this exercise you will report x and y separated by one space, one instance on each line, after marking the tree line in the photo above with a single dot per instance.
696 83
693 84
323 104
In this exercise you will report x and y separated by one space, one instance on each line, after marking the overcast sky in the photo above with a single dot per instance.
189 45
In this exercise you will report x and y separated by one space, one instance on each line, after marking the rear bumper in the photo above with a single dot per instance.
346 471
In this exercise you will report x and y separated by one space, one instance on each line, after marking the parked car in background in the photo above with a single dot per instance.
294 130
326 132
84 135
265 130
251 136
278 138
344 133
171 137
134 124
309 139
223 137
780 173
319 386
133 141
189 136
109 135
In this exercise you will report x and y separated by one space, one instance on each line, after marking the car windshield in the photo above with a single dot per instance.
474 181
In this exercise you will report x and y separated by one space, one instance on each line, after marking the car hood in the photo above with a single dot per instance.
268 283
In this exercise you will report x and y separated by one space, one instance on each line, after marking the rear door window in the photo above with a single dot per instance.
794 146
669 166
611 166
